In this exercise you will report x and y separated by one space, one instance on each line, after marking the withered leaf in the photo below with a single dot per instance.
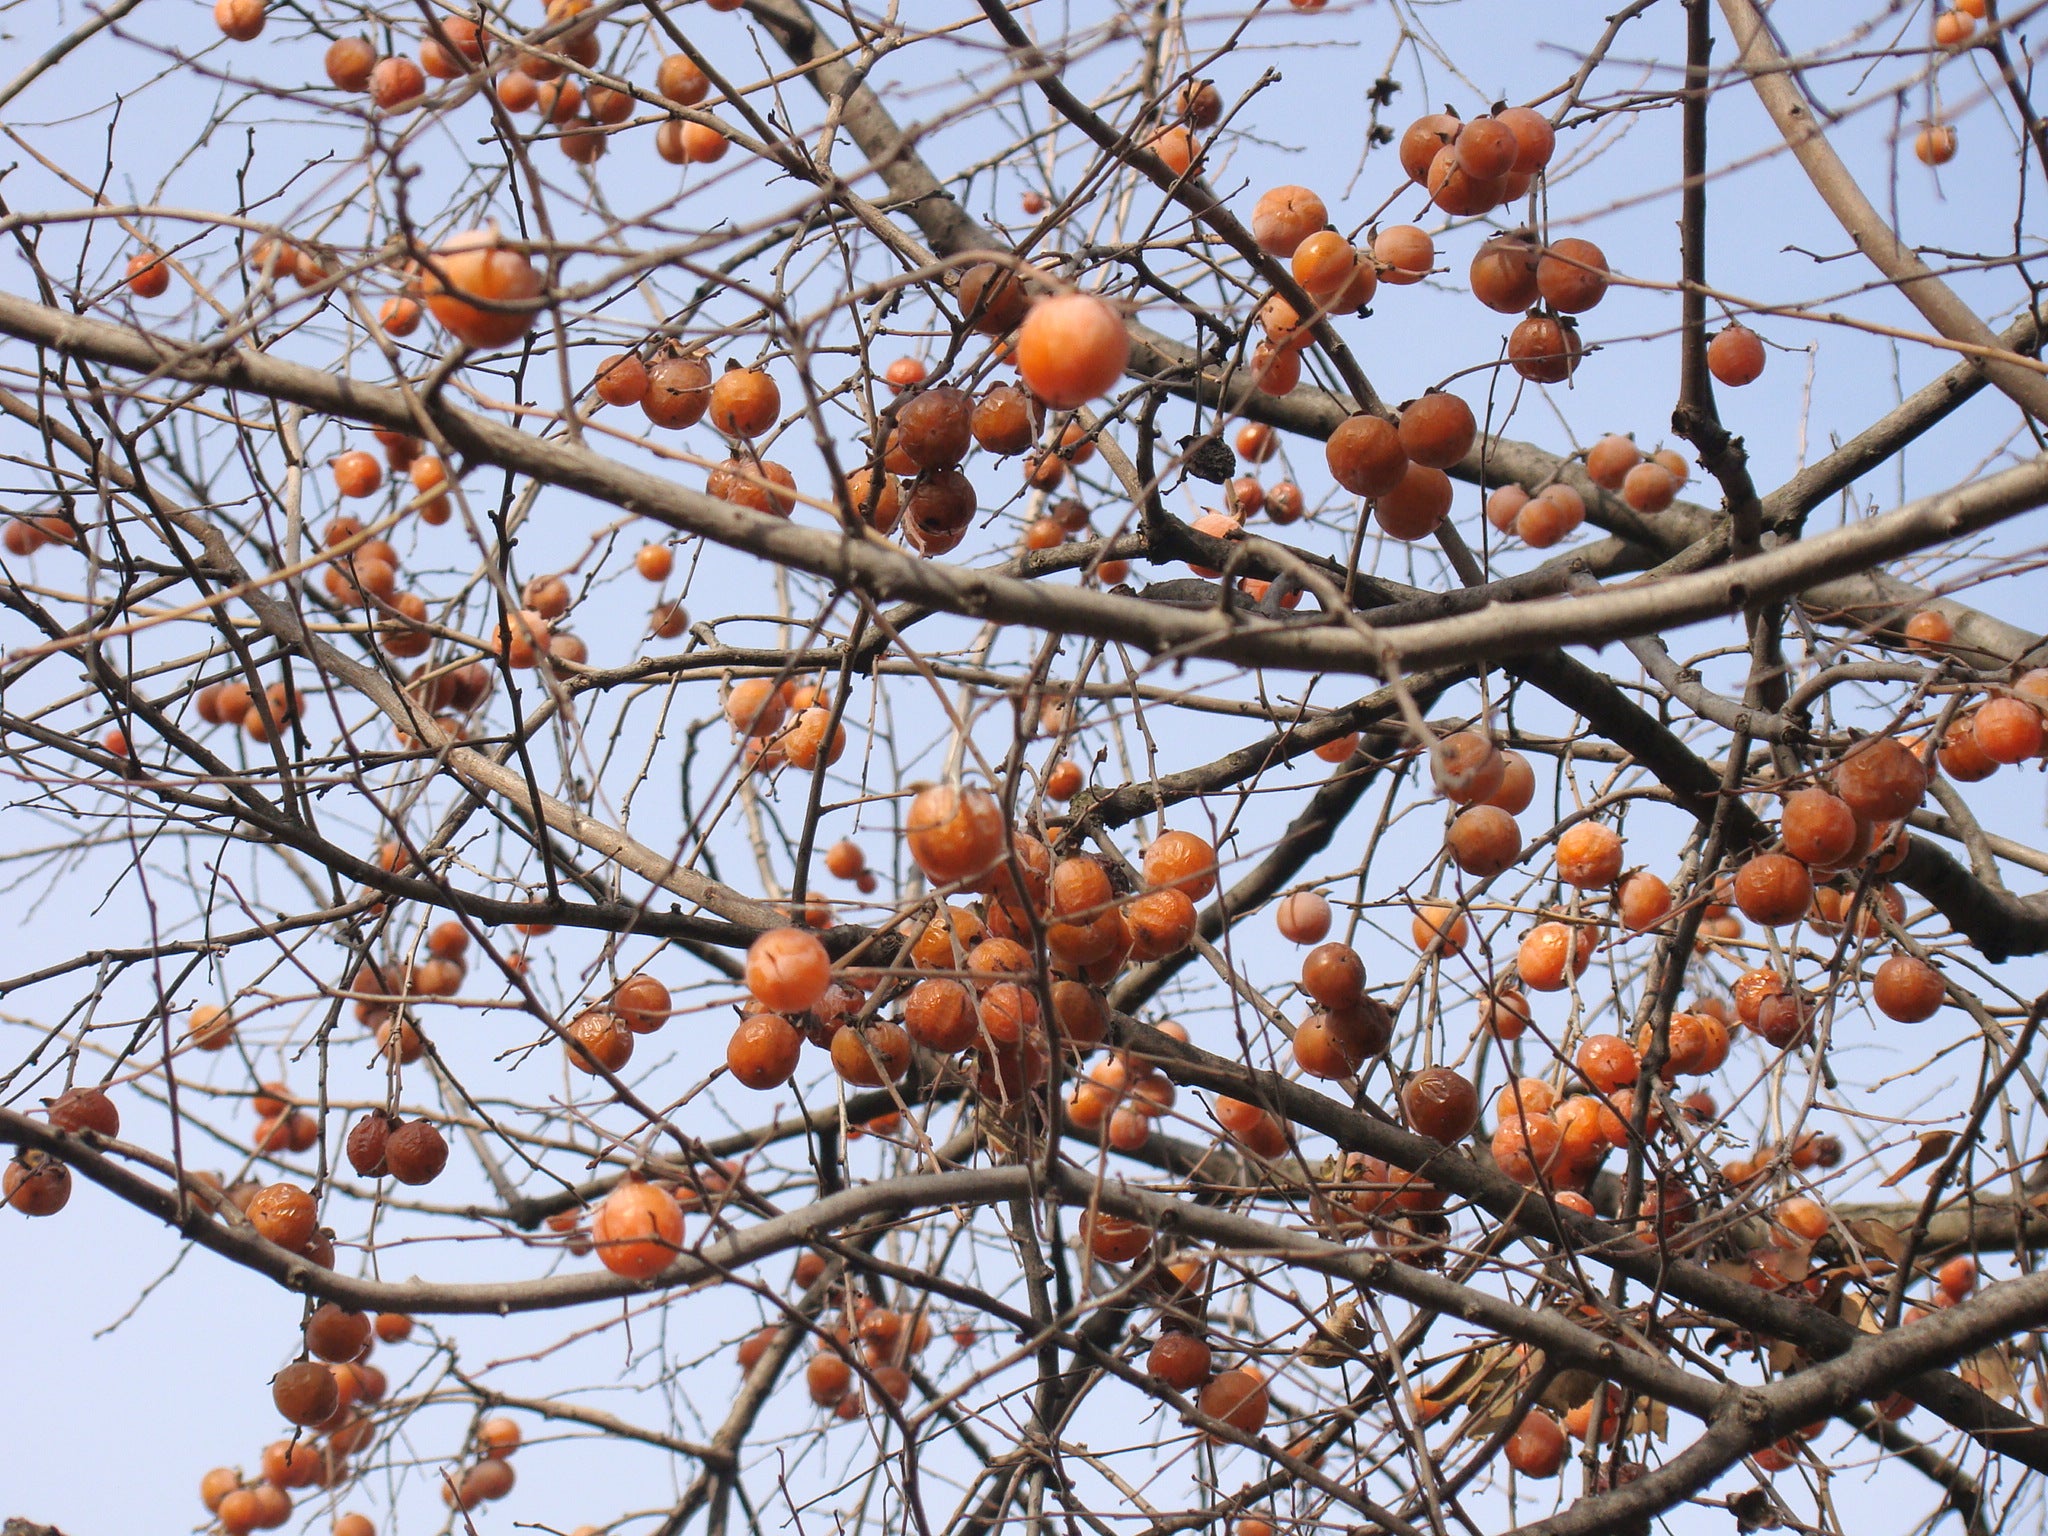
1879 1237
1339 1338
1991 1373
1568 1389
1932 1147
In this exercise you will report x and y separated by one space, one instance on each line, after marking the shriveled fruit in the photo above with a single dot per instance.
1773 889
598 1039
1439 1103
643 1002
366 1143
1543 350
416 1152
1111 1239
1183 861
283 1214
1881 779
85 1108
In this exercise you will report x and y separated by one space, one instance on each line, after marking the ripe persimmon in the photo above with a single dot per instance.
1907 990
240 20
1609 461
744 402
1285 216
35 1183
954 832
1303 917
788 970
1535 139
1818 828
2007 730
336 1333
1334 975
396 84
638 1230
1572 275
479 289
1072 348
1503 275
1437 430
1735 356
992 298
1589 855
1504 1012
1547 951
1438 926
1237 1398
1936 144
1404 254
1649 487
1422 139
305 1392
1642 901
1467 768
1484 841
763 1051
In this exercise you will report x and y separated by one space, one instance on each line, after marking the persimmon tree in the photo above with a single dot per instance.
1130 768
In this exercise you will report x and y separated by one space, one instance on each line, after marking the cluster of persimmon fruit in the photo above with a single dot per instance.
328 1398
